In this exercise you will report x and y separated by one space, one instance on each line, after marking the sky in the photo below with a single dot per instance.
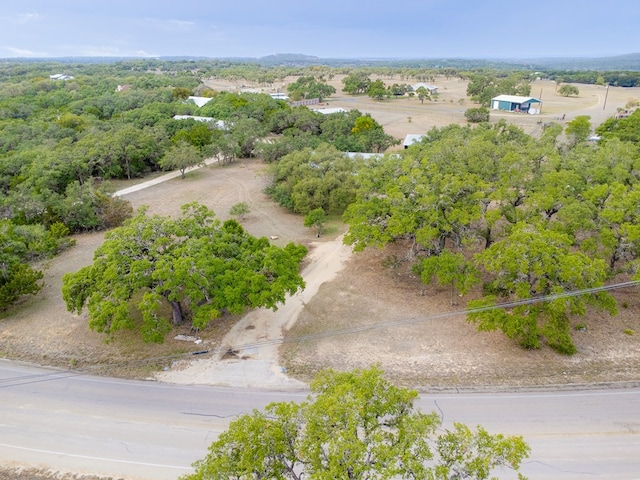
343 29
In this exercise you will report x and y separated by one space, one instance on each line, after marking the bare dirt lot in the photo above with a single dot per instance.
425 349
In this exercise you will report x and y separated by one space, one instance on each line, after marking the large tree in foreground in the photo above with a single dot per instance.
355 425
196 265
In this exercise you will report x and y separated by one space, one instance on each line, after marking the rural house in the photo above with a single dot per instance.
412 138
61 76
432 89
218 123
200 101
516 103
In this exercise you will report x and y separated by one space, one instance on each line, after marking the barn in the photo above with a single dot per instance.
516 103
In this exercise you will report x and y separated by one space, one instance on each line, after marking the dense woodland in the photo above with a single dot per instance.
489 205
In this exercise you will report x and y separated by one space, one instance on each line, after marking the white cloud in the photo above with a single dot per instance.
23 52
171 25
21 18
24 18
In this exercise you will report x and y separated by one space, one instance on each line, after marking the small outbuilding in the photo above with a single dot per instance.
516 103
61 76
218 123
200 101
432 89
329 111
412 138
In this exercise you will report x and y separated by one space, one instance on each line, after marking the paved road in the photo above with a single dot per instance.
150 430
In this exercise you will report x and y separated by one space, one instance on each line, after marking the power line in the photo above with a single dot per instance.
437 316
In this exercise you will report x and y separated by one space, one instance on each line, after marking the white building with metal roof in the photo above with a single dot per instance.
516 103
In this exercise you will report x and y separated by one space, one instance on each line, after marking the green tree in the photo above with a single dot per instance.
225 147
181 93
578 129
532 263
245 133
133 151
448 268
20 245
17 279
239 210
430 197
423 93
310 87
614 222
284 145
353 131
377 90
198 134
316 218
626 129
477 115
567 90
314 178
194 265
355 425
356 83
370 135
181 156
73 121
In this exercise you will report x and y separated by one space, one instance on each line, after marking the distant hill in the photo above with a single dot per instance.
620 62
628 62
301 60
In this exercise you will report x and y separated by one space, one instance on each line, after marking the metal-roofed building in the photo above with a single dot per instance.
516 103
329 111
218 123
200 101
431 88
412 138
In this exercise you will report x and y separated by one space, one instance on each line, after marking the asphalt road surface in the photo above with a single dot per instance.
148 430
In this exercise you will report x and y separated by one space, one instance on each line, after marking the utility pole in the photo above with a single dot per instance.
605 97
540 108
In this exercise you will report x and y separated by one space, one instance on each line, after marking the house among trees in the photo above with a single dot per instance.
61 76
200 101
516 103
432 89
218 123
412 138
329 111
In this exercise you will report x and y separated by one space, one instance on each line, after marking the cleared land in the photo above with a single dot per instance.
430 352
